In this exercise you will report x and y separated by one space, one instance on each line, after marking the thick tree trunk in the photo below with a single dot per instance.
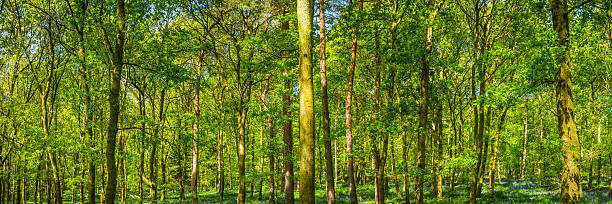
114 106
329 168
307 127
570 173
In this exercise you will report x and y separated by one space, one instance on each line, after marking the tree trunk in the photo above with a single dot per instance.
421 162
329 168
261 163
288 140
599 154
244 91
114 106
338 107
495 152
610 190
194 150
287 132
453 144
570 174
181 157
155 140
524 158
242 114
380 153
141 150
406 166
394 172
163 171
349 135
88 109
220 169
592 136
478 112
439 126
307 126
485 154
540 147
122 166
47 97
271 199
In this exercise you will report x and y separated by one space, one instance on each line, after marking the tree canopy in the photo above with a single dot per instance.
352 101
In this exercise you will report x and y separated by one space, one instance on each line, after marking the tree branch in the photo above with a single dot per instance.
579 5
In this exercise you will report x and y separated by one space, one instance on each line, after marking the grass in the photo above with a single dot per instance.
509 191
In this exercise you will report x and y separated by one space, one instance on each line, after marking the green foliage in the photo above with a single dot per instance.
239 44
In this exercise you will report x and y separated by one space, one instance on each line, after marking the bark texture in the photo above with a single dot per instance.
307 125
114 106
570 173
329 166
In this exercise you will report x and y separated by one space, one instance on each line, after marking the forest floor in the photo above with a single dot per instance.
509 191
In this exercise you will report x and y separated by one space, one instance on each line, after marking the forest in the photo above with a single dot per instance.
326 101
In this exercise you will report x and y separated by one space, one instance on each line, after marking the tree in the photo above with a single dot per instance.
348 124
329 168
195 130
524 158
114 105
423 105
570 175
307 127
187 64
